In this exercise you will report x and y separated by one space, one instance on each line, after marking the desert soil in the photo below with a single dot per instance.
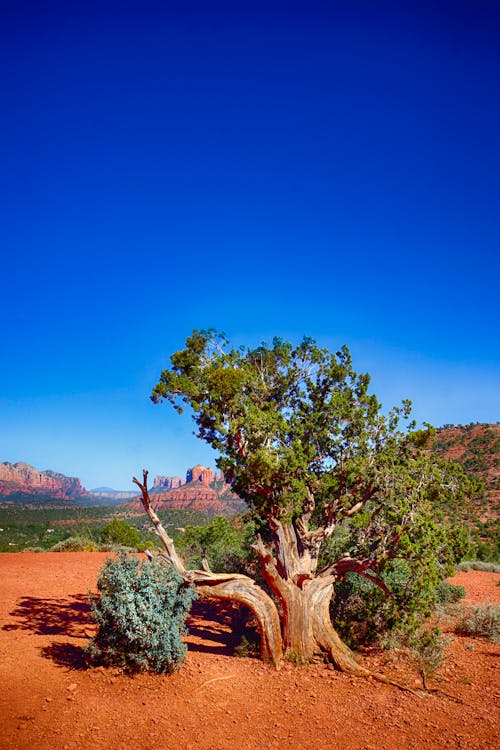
49 699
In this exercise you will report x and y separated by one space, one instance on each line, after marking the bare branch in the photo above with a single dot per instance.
227 586
167 541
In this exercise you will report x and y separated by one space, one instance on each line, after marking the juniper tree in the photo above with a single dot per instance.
309 448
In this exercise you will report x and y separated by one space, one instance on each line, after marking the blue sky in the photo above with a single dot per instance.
323 169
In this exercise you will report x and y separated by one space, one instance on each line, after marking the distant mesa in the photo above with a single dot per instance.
475 446
168 483
203 490
197 473
21 480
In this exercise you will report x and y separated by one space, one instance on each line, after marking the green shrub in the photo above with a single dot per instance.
363 613
448 593
480 620
225 544
75 544
140 613
120 533
428 651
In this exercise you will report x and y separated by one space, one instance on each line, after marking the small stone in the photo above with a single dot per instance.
48 699
72 687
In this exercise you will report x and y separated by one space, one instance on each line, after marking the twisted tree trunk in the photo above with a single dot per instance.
304 631
304 597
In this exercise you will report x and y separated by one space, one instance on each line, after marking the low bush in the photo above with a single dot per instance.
120 533
480 620
140 611
75 544
448 593
428 651
364 614
486 567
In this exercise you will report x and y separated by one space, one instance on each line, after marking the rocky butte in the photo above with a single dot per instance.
203 490
23 479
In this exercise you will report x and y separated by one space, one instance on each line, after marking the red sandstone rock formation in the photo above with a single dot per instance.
20 478
199 473
168 483
196 496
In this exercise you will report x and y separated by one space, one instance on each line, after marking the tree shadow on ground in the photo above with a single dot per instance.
69 616
213 627
216 627
66 655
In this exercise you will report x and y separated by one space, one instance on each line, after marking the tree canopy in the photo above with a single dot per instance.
303 441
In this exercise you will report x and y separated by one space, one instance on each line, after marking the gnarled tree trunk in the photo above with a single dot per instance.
304 597
304 631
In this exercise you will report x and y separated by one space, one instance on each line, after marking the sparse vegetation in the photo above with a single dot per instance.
486 567
449 593
480 621
24 527
428 651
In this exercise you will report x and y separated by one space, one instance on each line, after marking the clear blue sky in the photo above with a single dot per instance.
328 169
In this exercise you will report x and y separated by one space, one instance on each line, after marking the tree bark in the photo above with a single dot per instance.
305 598
304 631
307 629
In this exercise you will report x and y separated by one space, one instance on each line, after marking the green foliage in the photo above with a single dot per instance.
120 533
25 526
448 593
363 613
428 651
223 543
413 573
481 620
291 421
76 544
140 612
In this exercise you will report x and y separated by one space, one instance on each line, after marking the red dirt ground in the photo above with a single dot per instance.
217 701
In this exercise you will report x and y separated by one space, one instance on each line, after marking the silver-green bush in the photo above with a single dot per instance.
480 620
140 612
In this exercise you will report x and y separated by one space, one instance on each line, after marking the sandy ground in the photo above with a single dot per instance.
217 701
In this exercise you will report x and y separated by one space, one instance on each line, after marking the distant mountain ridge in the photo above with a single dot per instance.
21 481
202 490
215 498
114 496
475 446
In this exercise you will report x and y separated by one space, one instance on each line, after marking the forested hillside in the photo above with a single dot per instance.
476 447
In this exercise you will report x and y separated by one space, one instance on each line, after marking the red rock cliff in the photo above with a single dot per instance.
25 479
199 473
